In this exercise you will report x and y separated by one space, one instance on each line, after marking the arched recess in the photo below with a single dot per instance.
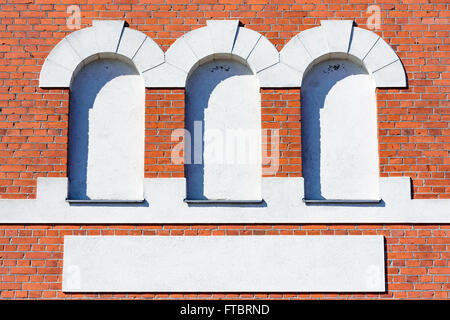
103 66
222 67
340 67
339 132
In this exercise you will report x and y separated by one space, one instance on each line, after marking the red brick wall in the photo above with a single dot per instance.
417 257
414 131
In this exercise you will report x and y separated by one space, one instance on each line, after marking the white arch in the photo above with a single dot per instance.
335 38
105 39
222 39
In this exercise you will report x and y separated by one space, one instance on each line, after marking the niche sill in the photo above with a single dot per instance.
95 201
217 201
341 201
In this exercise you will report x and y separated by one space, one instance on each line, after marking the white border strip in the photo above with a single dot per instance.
282 204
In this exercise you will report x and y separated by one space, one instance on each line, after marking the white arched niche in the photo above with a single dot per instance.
105 67
106 126
222 66
341 66
339 132
223 117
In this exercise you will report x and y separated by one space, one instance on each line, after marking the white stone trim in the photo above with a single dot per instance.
280 75
165 76
390 76
263 55
282 204
199 41
246 40
104 39
338 34
181 56
223 264
223 33
337 37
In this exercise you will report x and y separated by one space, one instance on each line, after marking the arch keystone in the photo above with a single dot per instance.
223 34
338 34
107 34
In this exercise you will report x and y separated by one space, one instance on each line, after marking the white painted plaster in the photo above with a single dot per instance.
379 56
338 34
148 56
282 204
181 55
279 75
223 34
106 132
54 76
84 42
223 96
315 42
223 264
64 55
108 34
339 132
362 42
130 42
199 41
165 75
263 55
295 55
246 40
392 75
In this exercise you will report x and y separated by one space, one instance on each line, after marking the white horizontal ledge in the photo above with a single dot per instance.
94 201
223 264
220 201
341 201
282 204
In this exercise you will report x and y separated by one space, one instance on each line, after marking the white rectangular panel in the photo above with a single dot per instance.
223 264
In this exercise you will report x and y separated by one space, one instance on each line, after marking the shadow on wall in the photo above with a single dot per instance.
94 88
211 84
329 99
